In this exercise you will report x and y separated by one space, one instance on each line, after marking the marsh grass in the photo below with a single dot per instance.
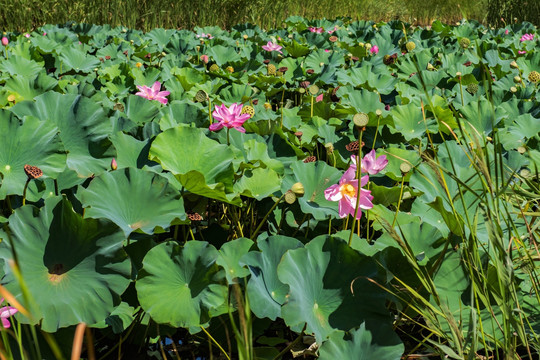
26 15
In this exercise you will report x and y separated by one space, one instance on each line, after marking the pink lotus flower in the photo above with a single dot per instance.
44 33
319 98
270 46
527 37
521 52
347 191
318 30
326 50
506 32
332 31
372 164
231 118
27 35
374 49
5 41
204 59
203 35
153 93
5 313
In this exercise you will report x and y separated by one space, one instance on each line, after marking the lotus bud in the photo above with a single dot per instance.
368 46
290 197
204 59
5 41
514 64
114 165
298 189
329 147
245 37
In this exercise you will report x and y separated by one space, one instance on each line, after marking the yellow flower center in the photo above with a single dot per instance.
347 189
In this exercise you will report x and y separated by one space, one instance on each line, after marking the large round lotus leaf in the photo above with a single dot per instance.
141 110
133 199
74 269
75 58
360 347
409 122
20 66
182 150
130 152
330 290
258 183
316 177
180 286
31 142
363 100
83 127
229 258
265 292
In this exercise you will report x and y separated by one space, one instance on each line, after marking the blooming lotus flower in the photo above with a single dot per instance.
527 37
203 35
5 313
521 52
347 192
319 98
270 46
153 93
27 35
205 59
372 164
374 49
231 118
5 41
318 30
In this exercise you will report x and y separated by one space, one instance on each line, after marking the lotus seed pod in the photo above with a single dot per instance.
302 91
267 106
11 98
472 88
361 44
245 37
214 68
410 46
525 173
321 64
353 146
33 172
361 119
430 67
271 69
367 46
513 89
298 189
464 43
517 79
119 107
521 149
248 110
534 77
514 64
405 168
230 69
279 73
313 89
310 159
290 197
329 147
193 216
378 112
201 96
458 74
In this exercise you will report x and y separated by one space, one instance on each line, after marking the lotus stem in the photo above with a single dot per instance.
24 191
252 237
228 139
399 201
358 167
215 342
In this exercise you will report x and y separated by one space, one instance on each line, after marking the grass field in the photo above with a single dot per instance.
148 14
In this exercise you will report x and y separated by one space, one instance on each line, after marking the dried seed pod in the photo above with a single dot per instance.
33 172
193 216
310 159
353 146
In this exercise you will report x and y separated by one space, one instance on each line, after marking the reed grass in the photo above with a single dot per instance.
26 15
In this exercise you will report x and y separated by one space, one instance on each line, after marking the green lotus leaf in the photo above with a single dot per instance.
329 289
182 112
160 37
297 50
363 100
258 183
141 110
119 320
361 346
229 258
74 269
26 87
133 199
21 66
375 78
202 165
521 129
409 122
180 286
266 293
77 60
83 128
222 55
31 142
481 116
316 177
130 152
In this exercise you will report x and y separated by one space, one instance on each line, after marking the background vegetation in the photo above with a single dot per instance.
25 15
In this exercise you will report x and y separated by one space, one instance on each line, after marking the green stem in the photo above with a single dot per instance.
228 141
215 342
358 166
24 191
399 201
252 237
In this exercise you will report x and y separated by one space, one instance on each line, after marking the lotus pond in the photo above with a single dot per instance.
330 189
